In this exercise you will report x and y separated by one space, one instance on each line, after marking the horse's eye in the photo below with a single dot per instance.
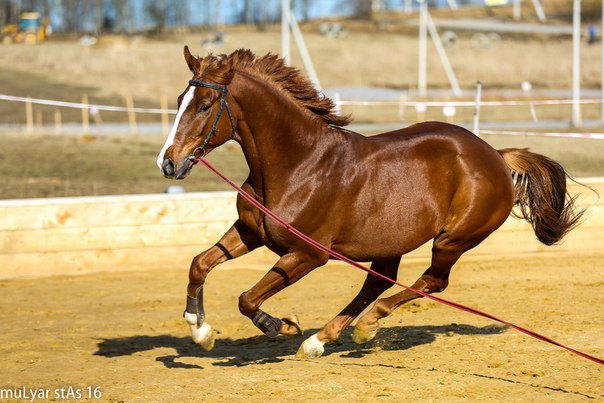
204 108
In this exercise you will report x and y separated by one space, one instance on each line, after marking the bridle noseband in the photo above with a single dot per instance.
223 103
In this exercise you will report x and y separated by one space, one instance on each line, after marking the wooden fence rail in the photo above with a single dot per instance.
64 236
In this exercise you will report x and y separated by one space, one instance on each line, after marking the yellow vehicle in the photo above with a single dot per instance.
32 29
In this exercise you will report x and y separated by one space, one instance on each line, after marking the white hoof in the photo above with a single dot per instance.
311 348
361 336
201 335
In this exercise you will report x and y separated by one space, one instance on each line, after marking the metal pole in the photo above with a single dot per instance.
423 33
308 66
517 10
452 4
576 116
444 60
539 10
285 21
337 102
477 108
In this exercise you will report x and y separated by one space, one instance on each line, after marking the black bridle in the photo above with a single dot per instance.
223 103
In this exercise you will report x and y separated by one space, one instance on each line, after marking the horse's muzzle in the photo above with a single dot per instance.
173 171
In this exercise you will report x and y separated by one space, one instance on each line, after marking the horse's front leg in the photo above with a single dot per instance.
289 269
237 241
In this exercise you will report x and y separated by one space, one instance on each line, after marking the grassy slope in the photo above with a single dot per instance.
45 166
35 166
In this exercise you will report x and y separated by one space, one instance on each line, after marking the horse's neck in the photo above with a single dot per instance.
277 135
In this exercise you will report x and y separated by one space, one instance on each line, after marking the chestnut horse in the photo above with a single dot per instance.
371 199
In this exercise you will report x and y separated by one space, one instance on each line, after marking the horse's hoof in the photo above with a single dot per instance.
361 335
311 348
203 336
291 326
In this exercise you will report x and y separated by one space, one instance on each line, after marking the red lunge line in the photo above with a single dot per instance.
343 258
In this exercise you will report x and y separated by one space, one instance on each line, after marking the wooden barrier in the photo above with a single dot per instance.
40 237
63 236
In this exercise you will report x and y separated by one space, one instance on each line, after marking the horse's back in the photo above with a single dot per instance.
431 129
434 141
416 180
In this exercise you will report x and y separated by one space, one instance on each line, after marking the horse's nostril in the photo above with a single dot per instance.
168 167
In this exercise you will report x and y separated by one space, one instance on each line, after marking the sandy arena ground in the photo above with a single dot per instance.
124 333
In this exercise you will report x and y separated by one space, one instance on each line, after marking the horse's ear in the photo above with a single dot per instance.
192 61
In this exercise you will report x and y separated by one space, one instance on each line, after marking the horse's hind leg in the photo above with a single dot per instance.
445 252
237 241
372 288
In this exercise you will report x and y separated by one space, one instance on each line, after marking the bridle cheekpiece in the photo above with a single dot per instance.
223 103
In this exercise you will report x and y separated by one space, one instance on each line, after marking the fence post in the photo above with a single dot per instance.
131 114
576 116
165 122
476 123
85 115
29 116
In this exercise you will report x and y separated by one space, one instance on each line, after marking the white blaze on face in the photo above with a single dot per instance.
170 140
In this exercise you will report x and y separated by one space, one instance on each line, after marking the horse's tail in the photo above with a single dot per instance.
541 195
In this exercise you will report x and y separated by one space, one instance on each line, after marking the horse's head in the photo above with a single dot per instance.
204 120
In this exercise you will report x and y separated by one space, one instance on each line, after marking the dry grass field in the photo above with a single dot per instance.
57 166
148 68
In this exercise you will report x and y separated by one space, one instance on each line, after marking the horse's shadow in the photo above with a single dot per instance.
261 350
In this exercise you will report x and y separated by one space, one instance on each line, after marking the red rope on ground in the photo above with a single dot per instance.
351 262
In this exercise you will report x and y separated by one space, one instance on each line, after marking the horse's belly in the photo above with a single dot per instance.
389 236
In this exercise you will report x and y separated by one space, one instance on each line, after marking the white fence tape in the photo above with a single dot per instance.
339 103
78 105
546 134
403 102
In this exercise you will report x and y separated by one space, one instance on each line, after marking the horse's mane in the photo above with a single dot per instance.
221 68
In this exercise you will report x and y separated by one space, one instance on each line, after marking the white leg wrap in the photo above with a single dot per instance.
311 348
201 335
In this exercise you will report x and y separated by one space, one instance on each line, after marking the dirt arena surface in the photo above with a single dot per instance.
124 333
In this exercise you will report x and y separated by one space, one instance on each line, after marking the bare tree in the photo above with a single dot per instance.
158 12
4 13
362 9
28 5
248 12
123 15
303 6
99 16
71 15
181 12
